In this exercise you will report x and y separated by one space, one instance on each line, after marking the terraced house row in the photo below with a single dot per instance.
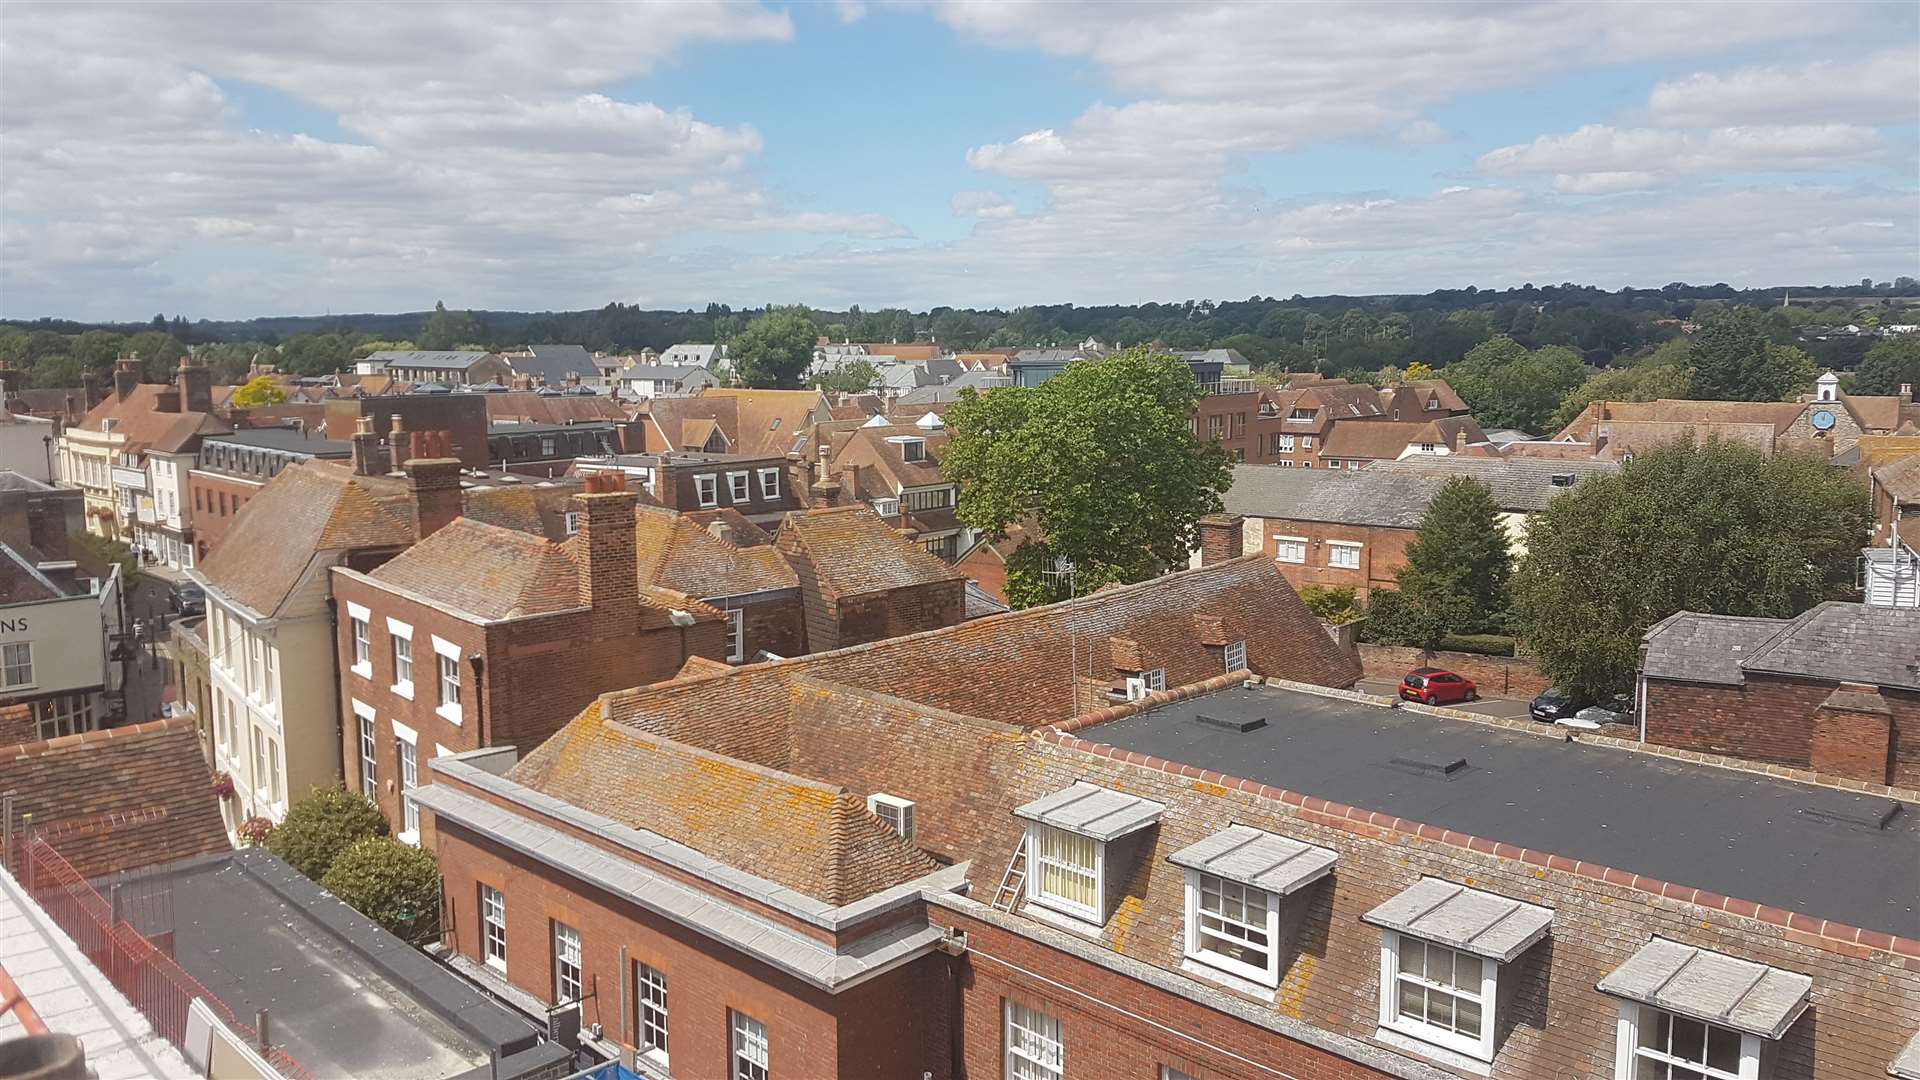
1152 833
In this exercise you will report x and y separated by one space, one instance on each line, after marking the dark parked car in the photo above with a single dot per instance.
189 600
1554 704
1557 706
1437 686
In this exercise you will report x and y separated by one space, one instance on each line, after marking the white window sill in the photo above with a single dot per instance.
1038 909
497 964
449 713
652 1062
403 689
1242 984
365 670
411 836
1453 1059
12 687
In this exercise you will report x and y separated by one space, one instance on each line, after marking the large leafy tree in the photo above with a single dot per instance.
1507 386
448 329
259 391
1735 359
322 825
1887 365
1096 462
853 377
775 349
1644 382
1718 528
395 884
1455 579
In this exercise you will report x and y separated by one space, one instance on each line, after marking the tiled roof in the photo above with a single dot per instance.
741 532
850 551
143 426
814 838
486 571
532 407
538 508
1901 478
676 552
766 421
1847 643
1013 668
1779 415
1875 413
118 799
20 581
1519 485
1704 648
1387 439
868 447
310 507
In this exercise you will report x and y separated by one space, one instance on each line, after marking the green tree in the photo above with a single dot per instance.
258 391
1458 565
853 377
1097 462
322 825
1507 386
1888 364
775 349
1649 382
368 348
96 350
448 329
160 354
958 331
1718 528
14 343
1734 359
1331 603
396 885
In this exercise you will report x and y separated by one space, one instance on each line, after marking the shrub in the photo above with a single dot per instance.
322 825
254 832
396 885
1485 644
1330 603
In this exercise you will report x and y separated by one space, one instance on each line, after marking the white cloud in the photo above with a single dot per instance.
983 204
1423 133
1610 158
1880 89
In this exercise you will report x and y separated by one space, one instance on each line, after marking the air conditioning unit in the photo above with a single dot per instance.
895 811
1136 687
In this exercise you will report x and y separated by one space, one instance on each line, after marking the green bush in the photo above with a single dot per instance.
396 885
1330 603
322 825
1485 644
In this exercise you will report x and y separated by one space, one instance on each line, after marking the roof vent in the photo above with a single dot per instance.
1859 812
1442 765
1224 724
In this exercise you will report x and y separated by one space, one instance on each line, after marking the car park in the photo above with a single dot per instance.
1437 686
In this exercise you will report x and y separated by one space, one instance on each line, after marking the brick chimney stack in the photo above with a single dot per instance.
1219 538
1460 441
433 479
369 457
397 444
609 576
126 375
1906 393
195 383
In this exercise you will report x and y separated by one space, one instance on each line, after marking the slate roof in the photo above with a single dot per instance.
311 507
554 363
675 551
1519 485
818 839
486 571
118 798
1482 923
1704 648
851 551
1387 500
1711 986
1846 643
21 582
445 360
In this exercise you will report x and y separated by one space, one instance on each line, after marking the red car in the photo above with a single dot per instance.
1437 686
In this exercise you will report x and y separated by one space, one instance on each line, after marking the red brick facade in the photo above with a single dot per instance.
1497 676
215 500
1382 553
1780 721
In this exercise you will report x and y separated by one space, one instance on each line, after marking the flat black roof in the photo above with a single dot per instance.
332 1010
1793 846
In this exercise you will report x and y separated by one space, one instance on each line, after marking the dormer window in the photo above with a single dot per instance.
1300 414
1068 837
913 450
1432 404
895 811
886 507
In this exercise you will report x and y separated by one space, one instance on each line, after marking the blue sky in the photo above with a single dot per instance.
225 161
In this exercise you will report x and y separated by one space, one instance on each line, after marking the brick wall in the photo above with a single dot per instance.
213 501
898 612
1383 552
462 416
777 626
893 1025
1497 676
1771 719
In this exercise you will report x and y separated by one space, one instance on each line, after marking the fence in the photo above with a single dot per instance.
150 980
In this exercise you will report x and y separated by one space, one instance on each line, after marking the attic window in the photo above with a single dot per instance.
913 450
1433 403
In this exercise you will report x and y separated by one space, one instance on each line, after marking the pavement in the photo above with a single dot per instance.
146 672
1509 708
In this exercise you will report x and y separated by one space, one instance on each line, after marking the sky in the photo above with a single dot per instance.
232 160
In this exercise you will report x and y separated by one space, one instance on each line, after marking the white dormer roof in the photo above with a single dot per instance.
877 421
930 422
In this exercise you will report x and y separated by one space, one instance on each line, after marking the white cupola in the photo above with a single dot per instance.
1827 387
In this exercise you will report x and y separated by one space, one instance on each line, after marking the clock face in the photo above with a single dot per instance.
1823 420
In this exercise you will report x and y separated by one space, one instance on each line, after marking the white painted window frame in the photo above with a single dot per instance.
736 633
750 1051
446 710
770 484
360 631
1197 951
493 927
706 490
568 974
1041 1027
1627 1051
8 666
1290 549
740 487
1480 1049
1036 892
650 1013
1235 655
408 767
397 632
1344 549
369 748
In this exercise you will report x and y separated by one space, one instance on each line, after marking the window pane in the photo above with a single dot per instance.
1653 1028
1649 1069
1412 956
1440 966
1723 1049
1412 1001
1466 1018
1466 972
1689 1039
1439 1009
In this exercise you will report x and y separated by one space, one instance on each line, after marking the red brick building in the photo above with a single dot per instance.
1834 690
933 857
481 636
862 581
